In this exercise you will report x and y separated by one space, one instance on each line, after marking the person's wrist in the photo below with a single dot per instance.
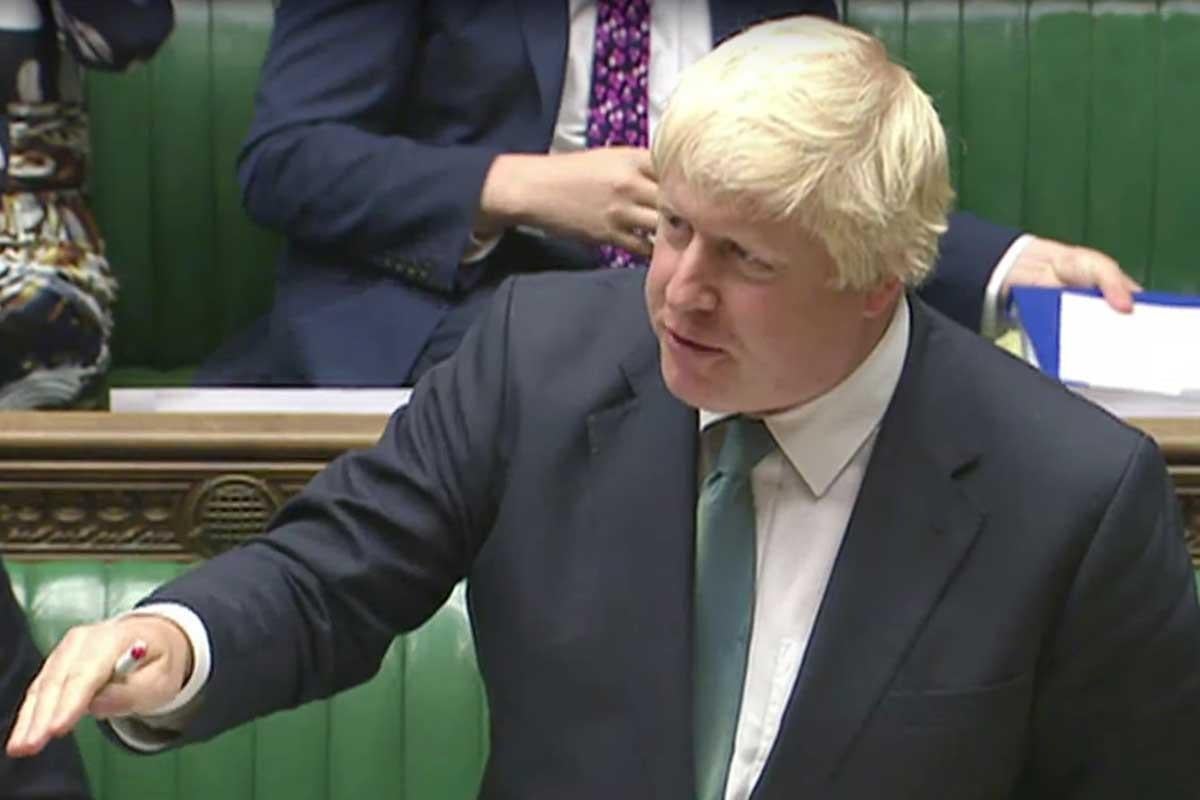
507 189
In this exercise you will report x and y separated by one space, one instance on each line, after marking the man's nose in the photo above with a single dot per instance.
691 287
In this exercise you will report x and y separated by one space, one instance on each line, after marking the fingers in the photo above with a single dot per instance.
113 700
634 242
78 677
1117 290
639 220
644 193
60 694
1087 268
1046 262
635 217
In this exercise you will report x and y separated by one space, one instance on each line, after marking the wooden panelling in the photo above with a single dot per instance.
182 486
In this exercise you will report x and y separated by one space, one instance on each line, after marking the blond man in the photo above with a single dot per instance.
781 529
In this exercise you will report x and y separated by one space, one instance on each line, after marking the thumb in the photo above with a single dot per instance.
146 690
150 685
115 700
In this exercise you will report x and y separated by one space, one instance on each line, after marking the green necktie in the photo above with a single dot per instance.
724 602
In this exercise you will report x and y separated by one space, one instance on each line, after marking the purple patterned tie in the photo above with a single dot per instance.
617 106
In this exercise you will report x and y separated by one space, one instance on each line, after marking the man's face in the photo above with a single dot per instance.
744 313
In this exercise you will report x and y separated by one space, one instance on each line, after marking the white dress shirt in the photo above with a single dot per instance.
804 492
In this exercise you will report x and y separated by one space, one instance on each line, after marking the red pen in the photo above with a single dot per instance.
129 660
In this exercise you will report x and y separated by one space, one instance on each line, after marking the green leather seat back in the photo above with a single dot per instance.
165 137
1075 119
418 729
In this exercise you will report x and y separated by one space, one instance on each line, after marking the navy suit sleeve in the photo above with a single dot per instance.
1118 706
324 162
56 772
112 34
371 547
967 256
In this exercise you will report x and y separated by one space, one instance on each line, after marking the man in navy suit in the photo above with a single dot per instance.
942 575
416 154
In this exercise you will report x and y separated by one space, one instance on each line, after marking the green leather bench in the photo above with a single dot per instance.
418 729
1070 118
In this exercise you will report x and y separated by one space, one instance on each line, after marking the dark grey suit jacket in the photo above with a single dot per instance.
1012 612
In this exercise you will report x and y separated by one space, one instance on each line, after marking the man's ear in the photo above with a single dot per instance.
882 298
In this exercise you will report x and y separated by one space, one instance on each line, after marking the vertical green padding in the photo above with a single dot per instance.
291 754
165 137
994 110
1176 262
445 711
246 254
182 165
367 750
933 52
119 112
1123 131
1060 94
883 19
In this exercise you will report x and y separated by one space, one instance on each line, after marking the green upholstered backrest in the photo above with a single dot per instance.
418 729
1074 119
165 136
1071 118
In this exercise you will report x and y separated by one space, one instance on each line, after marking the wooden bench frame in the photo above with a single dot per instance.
186 486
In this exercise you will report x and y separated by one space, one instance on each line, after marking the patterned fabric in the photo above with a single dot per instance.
618 103
56 288
724 598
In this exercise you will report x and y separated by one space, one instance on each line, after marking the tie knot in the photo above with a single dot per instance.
747 441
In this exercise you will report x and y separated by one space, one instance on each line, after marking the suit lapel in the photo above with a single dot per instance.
545 25
643 484
911 527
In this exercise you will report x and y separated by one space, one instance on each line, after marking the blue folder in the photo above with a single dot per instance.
1037 311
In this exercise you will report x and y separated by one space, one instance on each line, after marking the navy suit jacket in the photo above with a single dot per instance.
375 125
1011 615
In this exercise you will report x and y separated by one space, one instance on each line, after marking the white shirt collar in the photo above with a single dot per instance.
820 437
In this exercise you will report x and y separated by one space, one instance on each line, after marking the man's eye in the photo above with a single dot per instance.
745 256
751 264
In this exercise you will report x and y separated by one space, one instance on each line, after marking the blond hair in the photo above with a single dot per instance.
805 120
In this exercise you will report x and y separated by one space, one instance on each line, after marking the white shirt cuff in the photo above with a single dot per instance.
140 732
995 318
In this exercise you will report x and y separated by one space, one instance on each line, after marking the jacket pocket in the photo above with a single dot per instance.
981 705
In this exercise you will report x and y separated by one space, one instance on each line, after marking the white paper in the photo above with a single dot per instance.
1154 349
1128 404
250 401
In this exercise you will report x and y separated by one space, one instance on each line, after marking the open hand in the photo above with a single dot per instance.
1045 262
77 678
